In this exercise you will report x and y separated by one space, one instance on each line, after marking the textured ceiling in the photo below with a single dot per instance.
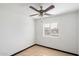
60 8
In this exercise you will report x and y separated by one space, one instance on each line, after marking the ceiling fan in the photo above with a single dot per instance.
41 11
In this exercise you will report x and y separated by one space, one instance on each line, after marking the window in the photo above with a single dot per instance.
50 30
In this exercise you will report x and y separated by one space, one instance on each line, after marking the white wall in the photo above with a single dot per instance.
16 28
68 34
78 30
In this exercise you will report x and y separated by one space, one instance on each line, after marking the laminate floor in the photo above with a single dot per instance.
42 51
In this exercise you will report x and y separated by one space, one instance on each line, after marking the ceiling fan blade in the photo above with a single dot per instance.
34 15
50 7
48 14
34 8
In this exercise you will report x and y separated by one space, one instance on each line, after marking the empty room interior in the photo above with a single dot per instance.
39 29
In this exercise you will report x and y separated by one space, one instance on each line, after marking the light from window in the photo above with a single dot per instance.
50 29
